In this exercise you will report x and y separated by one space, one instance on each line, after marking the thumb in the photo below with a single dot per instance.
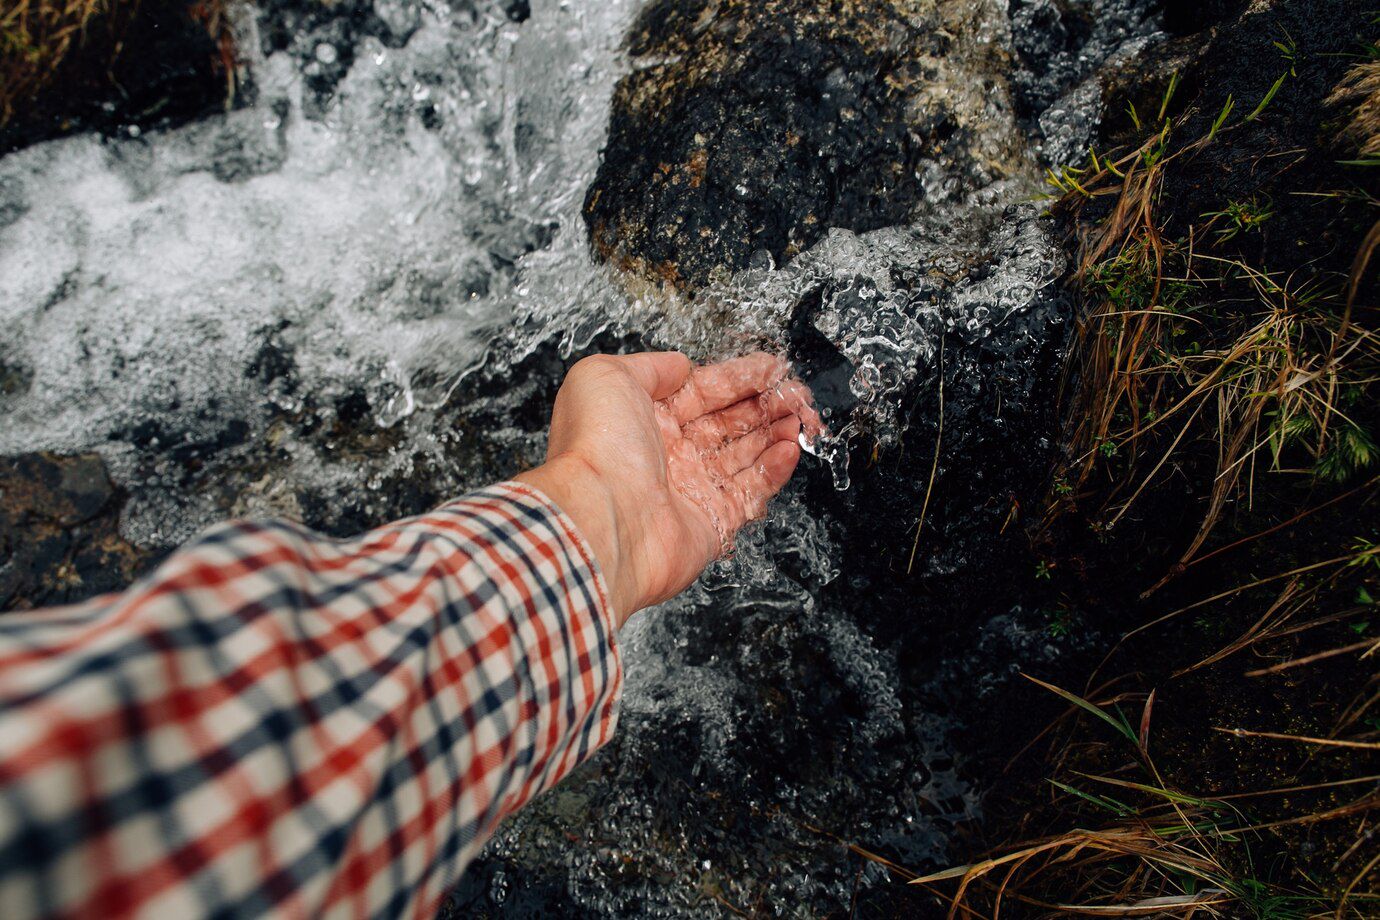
660 373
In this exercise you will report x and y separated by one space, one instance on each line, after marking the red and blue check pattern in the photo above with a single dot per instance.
279 723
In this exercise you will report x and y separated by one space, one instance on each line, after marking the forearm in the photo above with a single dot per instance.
579 490
276 720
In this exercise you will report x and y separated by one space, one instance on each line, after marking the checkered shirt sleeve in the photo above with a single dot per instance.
278 723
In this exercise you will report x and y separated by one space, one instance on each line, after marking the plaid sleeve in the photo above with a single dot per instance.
275 722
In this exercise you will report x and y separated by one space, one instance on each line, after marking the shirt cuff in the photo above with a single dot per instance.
571 674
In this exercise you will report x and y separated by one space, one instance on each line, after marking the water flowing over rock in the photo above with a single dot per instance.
356 295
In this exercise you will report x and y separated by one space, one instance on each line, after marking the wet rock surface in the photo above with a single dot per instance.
59 532
789 700
757 126
1317 225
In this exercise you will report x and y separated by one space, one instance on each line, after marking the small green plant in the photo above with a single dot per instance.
1369 51
1066 181
1043 570
1062 621
1289 50
1343 451
1168 95
1242 217
1135 116
1352 450
1153 153
1366 554
1222 117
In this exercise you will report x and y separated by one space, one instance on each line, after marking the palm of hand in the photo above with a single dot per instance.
695 453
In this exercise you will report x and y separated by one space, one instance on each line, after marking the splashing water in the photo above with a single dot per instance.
347 300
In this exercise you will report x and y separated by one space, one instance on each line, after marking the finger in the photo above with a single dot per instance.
709 432
802 403
660 373
740 454
667 425
811 423
755 486
717 386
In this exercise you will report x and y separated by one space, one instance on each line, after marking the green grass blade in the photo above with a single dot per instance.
1121 809
1269 97
1169 94
1121 727
1222 118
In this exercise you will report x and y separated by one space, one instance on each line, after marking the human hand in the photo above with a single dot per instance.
660 463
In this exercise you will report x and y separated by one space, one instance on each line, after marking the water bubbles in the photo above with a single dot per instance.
326 53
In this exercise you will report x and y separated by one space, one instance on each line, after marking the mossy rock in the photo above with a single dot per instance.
757 125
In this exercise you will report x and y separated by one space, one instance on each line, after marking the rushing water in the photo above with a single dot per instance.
344 301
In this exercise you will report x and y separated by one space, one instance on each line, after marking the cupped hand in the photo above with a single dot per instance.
660 463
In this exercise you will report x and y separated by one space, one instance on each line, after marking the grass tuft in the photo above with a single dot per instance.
1184 341
39 37
1360 91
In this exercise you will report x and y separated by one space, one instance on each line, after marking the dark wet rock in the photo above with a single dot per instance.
12 202
15 379
1183 17
757 126
979 415
59 532
1061 42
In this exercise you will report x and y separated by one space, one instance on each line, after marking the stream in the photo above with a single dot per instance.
353 296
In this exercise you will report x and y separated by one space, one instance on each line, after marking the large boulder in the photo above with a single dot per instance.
749 125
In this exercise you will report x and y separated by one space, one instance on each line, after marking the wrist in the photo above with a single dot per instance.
579 490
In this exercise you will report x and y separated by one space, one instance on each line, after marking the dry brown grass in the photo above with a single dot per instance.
37 37
1188 356
1146 847
1360 91
1178 345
